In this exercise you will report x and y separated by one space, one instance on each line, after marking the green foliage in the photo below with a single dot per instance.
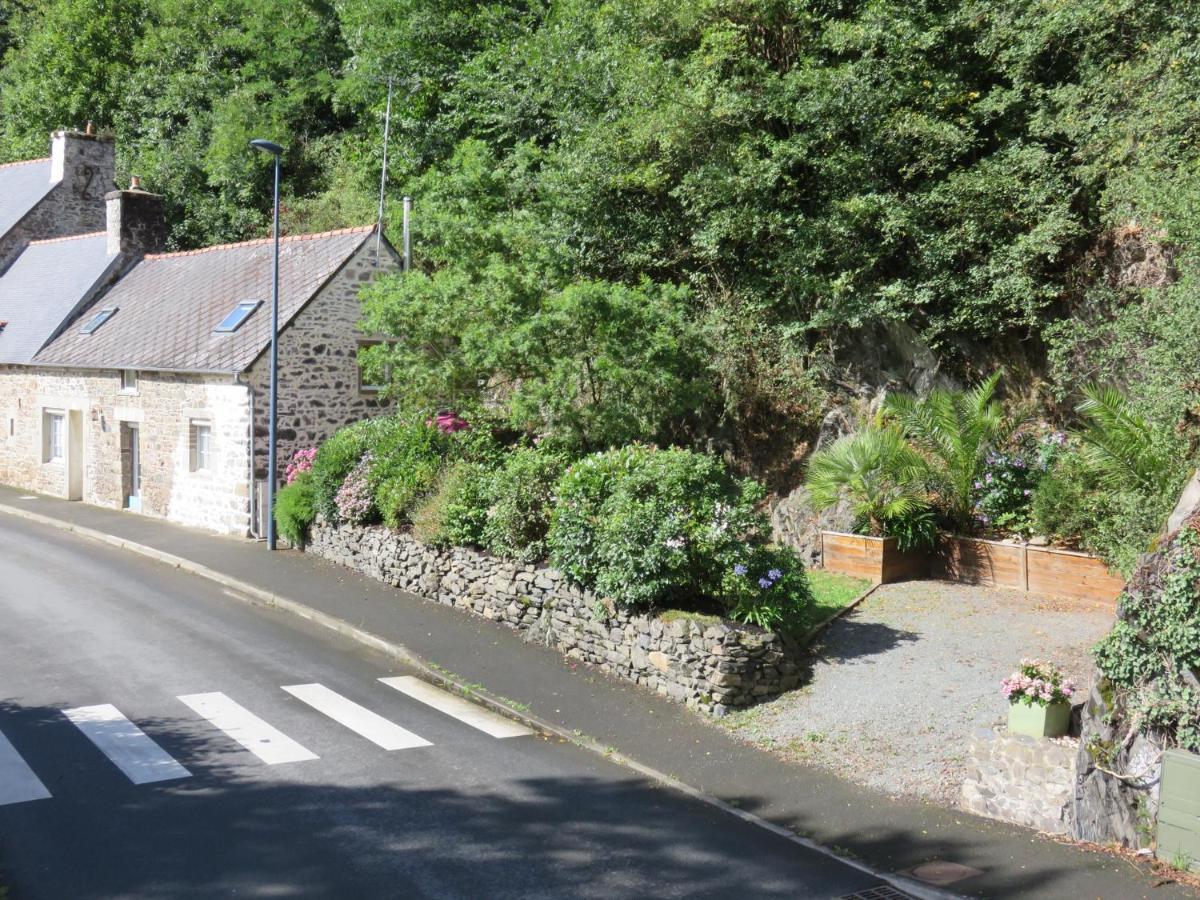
956 430
1004 496
1152 654
1119 445
295 508
878 474
770 589
649 527
519 499
455 513
335 459
407 461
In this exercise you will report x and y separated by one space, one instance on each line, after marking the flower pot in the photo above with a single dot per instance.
1038 720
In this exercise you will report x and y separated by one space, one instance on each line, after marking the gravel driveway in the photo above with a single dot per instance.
899 684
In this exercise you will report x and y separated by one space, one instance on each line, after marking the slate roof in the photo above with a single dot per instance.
22 186
169 304
44 286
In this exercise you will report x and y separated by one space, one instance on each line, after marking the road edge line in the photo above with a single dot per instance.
257 596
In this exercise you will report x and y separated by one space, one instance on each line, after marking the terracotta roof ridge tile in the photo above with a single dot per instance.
284 239
24 162
69 237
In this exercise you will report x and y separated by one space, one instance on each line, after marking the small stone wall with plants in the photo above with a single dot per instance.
1019 779
652 563
710 665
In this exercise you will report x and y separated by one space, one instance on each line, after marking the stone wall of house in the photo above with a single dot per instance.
711 667
83 167
318 362
164 407
1021 779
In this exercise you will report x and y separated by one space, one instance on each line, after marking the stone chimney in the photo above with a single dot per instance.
137 221
82 163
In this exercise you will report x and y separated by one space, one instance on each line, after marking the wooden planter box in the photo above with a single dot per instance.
876 559
1042 570
1179 811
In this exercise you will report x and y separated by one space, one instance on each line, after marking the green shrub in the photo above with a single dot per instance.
335 459
879 475
769 589
408 459
295 508
1067 501
455 513
649 527
956 430
520 497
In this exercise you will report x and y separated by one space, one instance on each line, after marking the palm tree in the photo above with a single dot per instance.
1118 444
956 430
876 471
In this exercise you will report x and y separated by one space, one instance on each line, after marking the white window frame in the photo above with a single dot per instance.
54 436
129 381
200 452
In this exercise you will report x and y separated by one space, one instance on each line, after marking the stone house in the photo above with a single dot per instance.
58 196
138 379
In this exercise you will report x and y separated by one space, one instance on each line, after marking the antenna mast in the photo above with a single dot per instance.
387 123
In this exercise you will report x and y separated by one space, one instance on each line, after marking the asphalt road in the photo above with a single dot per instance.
112 786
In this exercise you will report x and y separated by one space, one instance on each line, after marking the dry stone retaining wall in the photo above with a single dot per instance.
713 668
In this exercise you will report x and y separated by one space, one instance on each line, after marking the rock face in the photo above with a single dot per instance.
1107 808
794 523
710 667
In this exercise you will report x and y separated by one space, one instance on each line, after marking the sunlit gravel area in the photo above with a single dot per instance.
900 683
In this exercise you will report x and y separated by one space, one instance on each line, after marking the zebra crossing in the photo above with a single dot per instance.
143 761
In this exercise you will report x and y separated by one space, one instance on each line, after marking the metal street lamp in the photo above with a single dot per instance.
276 151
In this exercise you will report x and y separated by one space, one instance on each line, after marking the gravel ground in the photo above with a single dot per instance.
900 683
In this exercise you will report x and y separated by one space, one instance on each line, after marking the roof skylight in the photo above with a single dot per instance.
237 316
98 319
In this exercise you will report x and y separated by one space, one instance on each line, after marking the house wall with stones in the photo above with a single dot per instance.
713 667
318 365
84 167
165 407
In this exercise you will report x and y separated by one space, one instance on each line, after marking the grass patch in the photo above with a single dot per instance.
831 592
667 616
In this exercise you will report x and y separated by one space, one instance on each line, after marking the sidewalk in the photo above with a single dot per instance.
890 835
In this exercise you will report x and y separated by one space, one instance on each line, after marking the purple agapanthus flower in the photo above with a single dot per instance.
765 583
774 574
739 569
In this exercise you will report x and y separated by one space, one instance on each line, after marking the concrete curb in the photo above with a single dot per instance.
246 592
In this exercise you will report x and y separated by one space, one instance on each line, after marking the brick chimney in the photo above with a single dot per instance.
82 164
137 221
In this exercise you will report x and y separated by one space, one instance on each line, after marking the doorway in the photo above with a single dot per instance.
75 455
131 466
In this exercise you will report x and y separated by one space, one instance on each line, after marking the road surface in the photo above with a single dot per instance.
159 738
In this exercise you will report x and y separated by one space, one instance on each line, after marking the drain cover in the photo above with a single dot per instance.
941 873
883 892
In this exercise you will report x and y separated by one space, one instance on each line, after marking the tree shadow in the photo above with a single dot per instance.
236 828
849 638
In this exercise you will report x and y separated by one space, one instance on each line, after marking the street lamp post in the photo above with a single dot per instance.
276 151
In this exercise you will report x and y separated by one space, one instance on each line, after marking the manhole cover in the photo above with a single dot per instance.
941 873
883 892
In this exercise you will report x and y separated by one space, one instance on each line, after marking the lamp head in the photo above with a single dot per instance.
267 147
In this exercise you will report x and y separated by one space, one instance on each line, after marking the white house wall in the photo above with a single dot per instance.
164 406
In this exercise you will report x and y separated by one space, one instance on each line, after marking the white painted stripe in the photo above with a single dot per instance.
130 750
459 707
266 742
18 783
358 719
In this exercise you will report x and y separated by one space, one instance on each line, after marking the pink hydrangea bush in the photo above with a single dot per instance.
302 461
448 422
1037 682
354 500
